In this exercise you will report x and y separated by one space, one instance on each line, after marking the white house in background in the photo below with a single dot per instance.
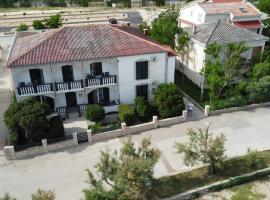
240 13
216 32
77 65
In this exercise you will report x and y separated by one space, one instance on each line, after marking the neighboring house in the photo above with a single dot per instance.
216 32
78 65
240 13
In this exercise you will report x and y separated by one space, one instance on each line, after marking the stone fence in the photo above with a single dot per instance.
46 147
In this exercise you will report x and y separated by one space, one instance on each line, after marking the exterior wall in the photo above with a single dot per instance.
158 71
194 14
211 18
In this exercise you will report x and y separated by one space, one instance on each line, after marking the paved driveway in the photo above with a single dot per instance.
64 171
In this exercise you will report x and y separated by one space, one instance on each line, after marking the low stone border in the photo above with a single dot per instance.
11 154
221 185
229 110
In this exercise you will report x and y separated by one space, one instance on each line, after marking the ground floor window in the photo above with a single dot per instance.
142 91
101 96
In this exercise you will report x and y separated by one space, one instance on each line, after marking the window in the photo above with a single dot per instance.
141 70
142 91
96 69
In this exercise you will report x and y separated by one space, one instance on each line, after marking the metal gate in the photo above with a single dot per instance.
82 137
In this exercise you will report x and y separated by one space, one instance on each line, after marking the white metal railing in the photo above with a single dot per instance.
109 80
93 82
35 89
62 86
106 80
66 86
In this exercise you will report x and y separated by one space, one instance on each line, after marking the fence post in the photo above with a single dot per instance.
75 138
124 128
45 145
9 152
89 135
184 114
155 121
206 110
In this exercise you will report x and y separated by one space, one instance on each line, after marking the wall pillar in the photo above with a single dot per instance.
206 110
75 138
124 128
9 152
184 114
89 135
155 121
45 145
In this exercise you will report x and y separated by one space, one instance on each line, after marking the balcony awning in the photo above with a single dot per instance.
248 24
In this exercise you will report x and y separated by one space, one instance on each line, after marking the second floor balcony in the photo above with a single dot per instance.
29 89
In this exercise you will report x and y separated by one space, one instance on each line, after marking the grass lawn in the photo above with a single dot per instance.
172 185
185 84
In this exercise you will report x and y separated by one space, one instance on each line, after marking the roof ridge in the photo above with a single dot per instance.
214 30
35 46
149 42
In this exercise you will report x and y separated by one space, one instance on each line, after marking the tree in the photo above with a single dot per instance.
28 117
168 100
22 27
43 195
55 2
7 197
259 91
142 109
182 44
55 21
264 6
164 29
38 25
128 174
203 147
94 113
260 70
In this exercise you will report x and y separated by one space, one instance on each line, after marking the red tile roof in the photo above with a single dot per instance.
248 24
72 43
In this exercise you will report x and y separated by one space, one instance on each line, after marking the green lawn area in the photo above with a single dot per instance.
185 84
172 185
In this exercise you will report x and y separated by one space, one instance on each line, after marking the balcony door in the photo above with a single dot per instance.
67 72
96 69
36 76
71 99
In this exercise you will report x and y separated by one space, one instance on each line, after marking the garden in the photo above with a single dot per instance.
167 102
30 121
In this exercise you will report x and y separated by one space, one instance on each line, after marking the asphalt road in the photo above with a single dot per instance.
64 171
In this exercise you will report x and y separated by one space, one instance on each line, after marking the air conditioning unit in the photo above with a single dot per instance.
153 59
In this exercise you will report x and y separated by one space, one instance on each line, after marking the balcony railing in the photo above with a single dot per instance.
68 86
30 89
98 81
35 89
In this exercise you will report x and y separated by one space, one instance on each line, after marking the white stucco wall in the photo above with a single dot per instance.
194 14
158 71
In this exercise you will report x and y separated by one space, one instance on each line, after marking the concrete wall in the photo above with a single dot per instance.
107 135
160 71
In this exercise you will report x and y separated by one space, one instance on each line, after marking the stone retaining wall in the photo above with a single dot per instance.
107 135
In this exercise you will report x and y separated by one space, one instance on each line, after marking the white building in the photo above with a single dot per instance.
216 32
78 65
240 13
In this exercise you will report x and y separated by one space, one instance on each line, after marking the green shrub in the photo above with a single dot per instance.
126 114
56 129
259 91
252 158
168 100
38 25
55 21
12 138
94 113
22 27
142 109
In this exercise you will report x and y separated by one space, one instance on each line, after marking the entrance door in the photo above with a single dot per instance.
67 72
71 99
36 76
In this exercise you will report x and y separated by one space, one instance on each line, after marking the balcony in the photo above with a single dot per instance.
100 81
69 86
28 90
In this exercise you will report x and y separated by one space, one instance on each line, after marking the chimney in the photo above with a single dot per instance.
194 29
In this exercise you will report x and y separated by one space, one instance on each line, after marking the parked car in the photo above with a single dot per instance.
112 21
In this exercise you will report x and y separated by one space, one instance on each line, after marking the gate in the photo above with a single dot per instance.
82 137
